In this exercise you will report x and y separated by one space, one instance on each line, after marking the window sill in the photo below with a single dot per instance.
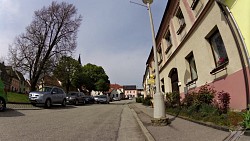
159 62
181 28
219 68
191 82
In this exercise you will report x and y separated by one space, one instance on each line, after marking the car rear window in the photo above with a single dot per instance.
45 89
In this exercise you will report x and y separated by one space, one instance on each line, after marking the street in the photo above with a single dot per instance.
86 122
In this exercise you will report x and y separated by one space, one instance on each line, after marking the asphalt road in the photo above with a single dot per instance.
96 122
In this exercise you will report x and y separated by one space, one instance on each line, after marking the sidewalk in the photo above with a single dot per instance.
180 129
22 106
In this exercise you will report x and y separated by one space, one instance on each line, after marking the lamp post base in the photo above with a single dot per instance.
160 121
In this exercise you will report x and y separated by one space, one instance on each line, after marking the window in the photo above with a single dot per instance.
196 5
192 66
181 21
168 39
219 50
162 85
55 91
160 54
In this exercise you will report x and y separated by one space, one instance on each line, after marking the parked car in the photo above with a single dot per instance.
48 96
3 97
102 99
76 98
89 99
116 99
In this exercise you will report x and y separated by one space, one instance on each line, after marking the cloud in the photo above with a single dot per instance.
8 10
114 34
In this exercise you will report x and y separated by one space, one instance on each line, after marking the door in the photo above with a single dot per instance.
174 80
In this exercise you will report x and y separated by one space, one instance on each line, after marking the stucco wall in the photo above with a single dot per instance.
197 42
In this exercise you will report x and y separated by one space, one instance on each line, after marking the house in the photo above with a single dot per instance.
22 82
17 80
130 91
48 80
140 92
148 83
197 44
116 92
15 83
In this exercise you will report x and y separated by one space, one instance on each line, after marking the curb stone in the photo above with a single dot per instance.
22 106
145 131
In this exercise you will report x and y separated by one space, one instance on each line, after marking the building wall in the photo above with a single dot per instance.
130 93
241 12
193 38
15 85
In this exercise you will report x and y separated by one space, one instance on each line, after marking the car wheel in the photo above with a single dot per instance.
2 105
76 102
47 103
84 102
64 103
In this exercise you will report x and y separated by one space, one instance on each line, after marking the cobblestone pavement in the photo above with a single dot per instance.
26 106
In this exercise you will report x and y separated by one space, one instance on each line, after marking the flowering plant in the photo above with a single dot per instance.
221 61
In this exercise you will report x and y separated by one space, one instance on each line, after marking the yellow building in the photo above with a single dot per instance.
241 13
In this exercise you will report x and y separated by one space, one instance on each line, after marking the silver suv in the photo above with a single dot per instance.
48 95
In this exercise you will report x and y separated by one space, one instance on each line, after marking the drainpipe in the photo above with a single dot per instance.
244 68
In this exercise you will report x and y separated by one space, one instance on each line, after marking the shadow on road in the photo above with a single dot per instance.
11 113
60 107
175 116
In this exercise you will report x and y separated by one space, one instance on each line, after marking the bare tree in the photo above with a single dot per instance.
51 34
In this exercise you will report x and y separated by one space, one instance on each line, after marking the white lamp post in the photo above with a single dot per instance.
159 106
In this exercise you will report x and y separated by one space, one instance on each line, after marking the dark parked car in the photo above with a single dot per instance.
102 99
89 99
75 98
48 95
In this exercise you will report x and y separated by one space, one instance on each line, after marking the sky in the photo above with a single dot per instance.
114 34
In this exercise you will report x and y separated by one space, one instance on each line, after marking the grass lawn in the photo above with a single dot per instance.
15 97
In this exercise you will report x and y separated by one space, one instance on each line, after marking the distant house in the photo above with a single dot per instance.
116 91
49 81
140 92
22 82
27 86
130 91
15 83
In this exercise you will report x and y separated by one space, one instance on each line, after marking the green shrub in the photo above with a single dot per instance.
173 98
208 110
192 109
189 99
147 101
246 119
139 99
206 94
